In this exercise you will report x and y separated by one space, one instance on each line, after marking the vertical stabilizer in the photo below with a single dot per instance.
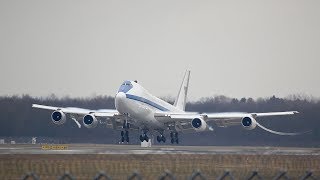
181 99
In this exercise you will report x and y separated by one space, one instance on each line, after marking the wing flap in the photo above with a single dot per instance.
275 114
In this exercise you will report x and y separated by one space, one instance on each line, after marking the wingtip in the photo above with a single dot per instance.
295 112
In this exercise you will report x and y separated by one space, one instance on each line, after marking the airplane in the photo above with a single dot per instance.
137 109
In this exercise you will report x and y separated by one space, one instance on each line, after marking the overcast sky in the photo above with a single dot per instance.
234 48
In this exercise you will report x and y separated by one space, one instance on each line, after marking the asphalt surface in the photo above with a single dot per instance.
155 149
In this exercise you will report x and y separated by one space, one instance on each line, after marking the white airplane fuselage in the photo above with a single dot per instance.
136 102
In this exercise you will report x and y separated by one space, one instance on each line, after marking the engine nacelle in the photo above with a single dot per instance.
58 117
90 121
199 124
249 123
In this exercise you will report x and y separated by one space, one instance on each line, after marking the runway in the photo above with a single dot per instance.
156 149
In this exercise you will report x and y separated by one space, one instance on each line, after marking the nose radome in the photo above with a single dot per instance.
120 96
120 101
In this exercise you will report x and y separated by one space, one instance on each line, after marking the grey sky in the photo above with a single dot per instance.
235 48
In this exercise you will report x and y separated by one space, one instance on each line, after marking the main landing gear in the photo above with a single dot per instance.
174 137
125 133
161 138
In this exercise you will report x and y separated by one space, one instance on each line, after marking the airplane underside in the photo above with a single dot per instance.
146 131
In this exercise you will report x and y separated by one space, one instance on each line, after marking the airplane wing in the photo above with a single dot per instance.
184 121
110 117
234 118
79 111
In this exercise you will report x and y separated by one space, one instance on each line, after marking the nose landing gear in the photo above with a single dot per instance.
125 136
144 136
125 133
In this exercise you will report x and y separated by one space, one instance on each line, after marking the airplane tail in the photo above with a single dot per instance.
181 99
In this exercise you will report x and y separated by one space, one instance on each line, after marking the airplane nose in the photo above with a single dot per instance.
120 96
120 102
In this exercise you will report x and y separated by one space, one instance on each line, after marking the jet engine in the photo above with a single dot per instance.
90 121
58 117
199 124
249 123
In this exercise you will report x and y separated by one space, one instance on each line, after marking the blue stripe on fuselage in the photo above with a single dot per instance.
141 99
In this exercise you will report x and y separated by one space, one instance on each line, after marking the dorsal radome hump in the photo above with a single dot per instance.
181 99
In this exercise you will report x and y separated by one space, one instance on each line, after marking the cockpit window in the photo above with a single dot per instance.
125 86
126 83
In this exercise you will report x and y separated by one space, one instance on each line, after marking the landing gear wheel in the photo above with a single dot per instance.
141 138
124 136
146 138
163 139
174 137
